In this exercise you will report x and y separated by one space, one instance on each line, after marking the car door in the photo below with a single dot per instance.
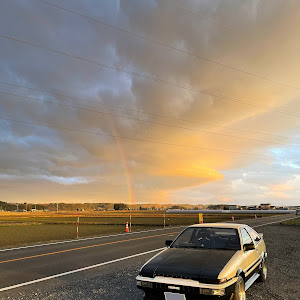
258 241
254 255
245 239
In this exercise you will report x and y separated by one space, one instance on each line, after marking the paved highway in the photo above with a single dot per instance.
55 263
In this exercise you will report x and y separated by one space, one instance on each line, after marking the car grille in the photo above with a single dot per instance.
183 289
191 290
175 276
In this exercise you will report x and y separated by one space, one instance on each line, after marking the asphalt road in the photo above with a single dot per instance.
96 268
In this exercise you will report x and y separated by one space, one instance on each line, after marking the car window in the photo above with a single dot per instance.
255 236
246 239
186 236
208 238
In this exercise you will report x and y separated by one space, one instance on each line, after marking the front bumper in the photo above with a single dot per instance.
155 288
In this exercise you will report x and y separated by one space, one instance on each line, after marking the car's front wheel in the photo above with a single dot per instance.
239 291
263 272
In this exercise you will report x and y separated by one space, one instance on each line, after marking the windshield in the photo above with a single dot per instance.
208 238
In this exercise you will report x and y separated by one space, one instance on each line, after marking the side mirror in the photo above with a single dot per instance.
248 247
261 235
168 242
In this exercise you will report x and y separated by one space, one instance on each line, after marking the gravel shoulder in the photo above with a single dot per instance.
117 281
283 246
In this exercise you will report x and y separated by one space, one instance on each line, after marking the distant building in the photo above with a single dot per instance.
265 206
234 207
99 209
254 207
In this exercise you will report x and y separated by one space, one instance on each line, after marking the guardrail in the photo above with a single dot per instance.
212 212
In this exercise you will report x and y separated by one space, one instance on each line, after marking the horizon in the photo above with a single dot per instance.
144 204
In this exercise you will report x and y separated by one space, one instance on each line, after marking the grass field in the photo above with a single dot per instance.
292 222
18 229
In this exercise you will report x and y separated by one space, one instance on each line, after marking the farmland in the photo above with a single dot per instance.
26 228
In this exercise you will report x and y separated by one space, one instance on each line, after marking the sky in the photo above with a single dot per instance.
160 101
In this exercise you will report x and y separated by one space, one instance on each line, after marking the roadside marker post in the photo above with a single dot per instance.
130 222
77 224
164 220
232 218
201 218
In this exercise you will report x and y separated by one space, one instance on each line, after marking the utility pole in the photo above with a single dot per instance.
56 207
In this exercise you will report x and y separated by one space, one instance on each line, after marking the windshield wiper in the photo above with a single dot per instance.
224 248
186 247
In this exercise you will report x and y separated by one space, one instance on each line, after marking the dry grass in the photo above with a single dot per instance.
292 222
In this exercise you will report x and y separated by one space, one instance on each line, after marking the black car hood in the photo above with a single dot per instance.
203 265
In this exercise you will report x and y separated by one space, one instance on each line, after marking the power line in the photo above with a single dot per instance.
132 138
146 121
202 16
172 47
148 113
148 77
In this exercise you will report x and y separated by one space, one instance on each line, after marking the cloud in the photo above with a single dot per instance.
87 167
56 179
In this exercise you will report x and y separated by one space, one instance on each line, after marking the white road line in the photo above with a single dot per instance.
90 238
77 270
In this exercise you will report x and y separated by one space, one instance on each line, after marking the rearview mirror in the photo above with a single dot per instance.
248 247
168 242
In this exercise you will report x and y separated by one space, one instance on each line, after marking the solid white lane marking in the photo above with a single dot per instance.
77 270
90 238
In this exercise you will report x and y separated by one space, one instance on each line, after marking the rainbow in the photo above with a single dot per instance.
122 152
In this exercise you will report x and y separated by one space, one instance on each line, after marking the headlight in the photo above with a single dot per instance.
144 283
217 292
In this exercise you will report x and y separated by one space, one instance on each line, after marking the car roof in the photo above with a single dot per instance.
220 225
